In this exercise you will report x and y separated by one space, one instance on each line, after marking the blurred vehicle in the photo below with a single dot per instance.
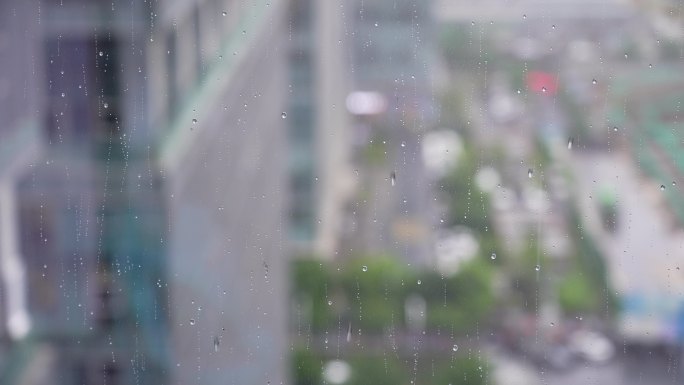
591 346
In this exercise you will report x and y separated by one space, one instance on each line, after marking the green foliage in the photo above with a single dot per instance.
464 370
374 299
375 152
377 370
376 295
306 368
522 271
311 283
576 294
468 294
468 205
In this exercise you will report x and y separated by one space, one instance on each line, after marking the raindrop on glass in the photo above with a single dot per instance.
662 187
192 322
530 173
101 53
594 81
283 115
329 303
224 13
393 178
454 348
537 268
106 105
419 281
364 268
570 140
216 344
493 256
194 121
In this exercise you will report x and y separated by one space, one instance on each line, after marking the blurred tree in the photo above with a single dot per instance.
374 288
468 205
462 301
523 274
306 368
377 370
312 282
576 294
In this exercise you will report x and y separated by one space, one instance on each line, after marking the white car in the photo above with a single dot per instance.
591 346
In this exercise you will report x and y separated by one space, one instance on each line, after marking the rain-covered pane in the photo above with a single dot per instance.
350 192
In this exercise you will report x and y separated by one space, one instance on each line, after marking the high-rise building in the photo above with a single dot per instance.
151 225
320 131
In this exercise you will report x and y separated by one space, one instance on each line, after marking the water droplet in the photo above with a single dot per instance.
570 141
552 324
493 256
553 26
224 13
192 321
364 268
615 128
530 173
662 187
349 333
329 303
403 144
194 121
544 89
419 281
524 16
63 94
650 66
106 105
594 81
454 348
674 183
100 53
537 267
283 115
393 178
216 344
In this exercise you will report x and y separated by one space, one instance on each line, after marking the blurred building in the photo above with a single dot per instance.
320 131
391 54
149 225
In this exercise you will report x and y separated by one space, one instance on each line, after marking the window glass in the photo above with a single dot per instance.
341 192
